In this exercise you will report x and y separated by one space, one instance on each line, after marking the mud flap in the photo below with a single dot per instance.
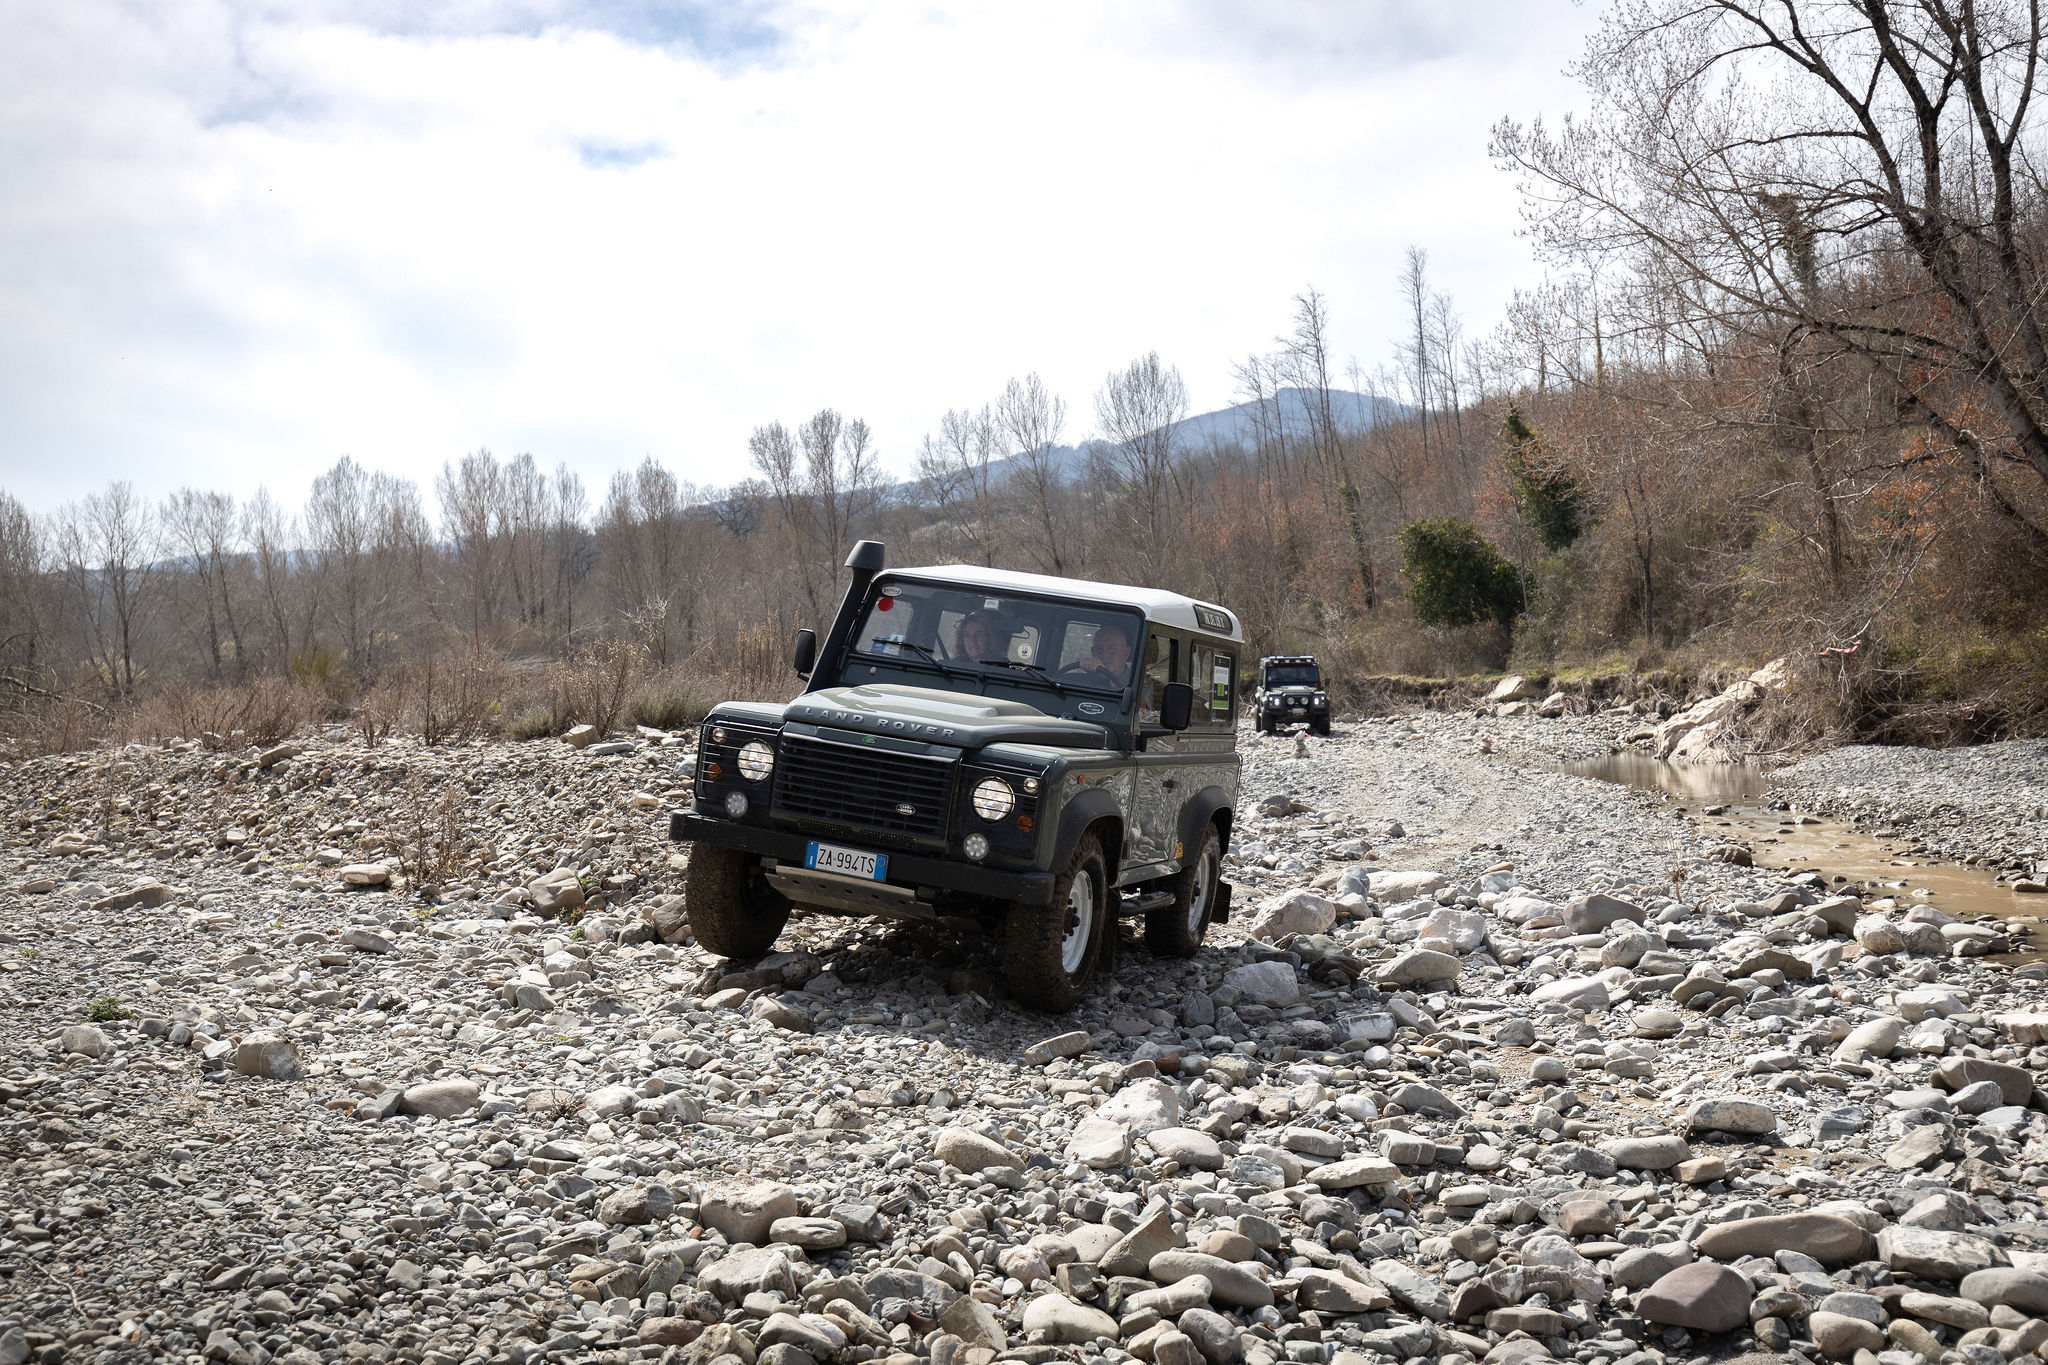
1222 912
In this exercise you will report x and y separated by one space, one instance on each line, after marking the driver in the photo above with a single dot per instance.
980 637
1108 660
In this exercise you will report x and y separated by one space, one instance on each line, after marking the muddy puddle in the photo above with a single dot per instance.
1736 799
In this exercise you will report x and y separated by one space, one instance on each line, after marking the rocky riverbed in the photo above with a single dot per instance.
1492 1064
1986 806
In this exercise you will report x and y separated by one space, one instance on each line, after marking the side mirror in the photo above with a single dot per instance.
1176 706
806 651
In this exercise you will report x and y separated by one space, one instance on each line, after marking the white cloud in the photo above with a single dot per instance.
237 241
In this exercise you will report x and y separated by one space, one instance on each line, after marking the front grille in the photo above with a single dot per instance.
862 788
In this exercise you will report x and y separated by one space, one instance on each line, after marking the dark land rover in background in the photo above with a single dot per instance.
1291 693
1042 754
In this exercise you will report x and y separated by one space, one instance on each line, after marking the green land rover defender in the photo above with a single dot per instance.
1041 754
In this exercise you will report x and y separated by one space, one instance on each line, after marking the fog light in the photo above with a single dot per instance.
736 804
975 846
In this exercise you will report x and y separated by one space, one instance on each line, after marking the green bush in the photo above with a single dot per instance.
1547 493
1455 577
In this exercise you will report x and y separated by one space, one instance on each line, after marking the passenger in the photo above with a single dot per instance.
1108 661
981 637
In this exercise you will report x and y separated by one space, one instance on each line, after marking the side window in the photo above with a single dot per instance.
1160 657
1222 677
1212 675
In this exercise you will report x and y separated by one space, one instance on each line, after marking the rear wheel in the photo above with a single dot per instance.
732 910
1176 929
1050 951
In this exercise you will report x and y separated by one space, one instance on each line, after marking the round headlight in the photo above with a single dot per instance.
757 760
993 798
718 735
736 804
975 846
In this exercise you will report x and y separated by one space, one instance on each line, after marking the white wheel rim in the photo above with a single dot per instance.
1198 902
1080 924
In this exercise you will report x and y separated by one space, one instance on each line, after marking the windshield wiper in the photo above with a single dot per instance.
925 651
1056 684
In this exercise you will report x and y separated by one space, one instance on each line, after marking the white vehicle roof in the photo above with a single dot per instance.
1167 608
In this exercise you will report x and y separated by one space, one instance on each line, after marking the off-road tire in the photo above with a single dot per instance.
732 910
1259 723
1039 963
1176 930
1320 727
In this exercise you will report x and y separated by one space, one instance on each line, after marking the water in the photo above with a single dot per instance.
1738 796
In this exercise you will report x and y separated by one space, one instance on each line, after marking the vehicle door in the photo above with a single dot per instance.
1155 807
1208 747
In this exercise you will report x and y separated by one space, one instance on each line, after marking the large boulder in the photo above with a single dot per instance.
1293 912
444 1099
966 1150
1143 1105
1265 983
1592 914
745 1212
1828 1238
1699 1297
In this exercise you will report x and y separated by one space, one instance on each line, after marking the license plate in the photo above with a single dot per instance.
1298 710
847 862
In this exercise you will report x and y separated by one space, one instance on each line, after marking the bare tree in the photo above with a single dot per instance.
108 551
1137 409
1032 417
645 552
23 612
823 481
1417 351
469 494
202 527
1306 351
341 526
959 469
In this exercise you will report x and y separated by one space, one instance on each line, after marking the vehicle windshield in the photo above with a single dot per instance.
1293 675
962 632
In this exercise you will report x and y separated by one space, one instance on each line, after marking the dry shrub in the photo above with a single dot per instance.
55 725
263 710
594 687
457 696
666 702
435 842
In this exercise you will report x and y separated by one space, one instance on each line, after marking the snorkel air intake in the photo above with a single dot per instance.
865 562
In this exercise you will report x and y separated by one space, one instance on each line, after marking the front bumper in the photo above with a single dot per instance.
905 869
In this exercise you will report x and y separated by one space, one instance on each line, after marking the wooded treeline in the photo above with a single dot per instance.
1784 390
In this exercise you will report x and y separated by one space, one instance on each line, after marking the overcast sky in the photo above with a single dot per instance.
238 240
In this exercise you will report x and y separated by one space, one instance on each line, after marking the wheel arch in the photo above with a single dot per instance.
1210 806
1095 811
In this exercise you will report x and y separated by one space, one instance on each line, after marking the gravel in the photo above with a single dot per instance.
262 1103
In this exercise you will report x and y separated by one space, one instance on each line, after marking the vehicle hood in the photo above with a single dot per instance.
941 717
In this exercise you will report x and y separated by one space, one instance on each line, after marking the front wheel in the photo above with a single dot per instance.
1321 726
1176 929
1050 951
732 910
